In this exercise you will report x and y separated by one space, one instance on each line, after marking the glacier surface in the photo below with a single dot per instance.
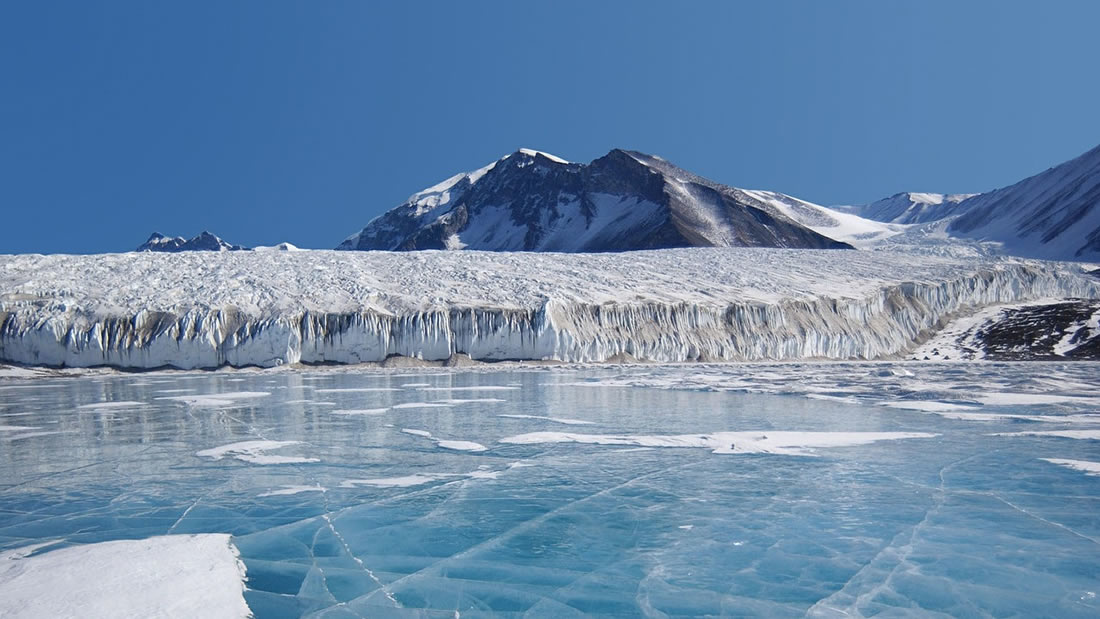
207 310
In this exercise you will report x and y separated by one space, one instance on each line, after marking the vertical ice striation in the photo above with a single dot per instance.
244 311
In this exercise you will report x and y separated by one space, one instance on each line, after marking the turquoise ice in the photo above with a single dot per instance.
567 492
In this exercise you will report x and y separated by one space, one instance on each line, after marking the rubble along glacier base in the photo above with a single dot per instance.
207 310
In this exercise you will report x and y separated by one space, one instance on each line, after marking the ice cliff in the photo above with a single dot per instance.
205 310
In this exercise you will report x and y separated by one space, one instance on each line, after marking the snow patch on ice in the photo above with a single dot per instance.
167 576
768 442
10 428
1032 399
1075 434
254 452
1085 466
358 411
357 390
473 388
929 406
447 444
394 482
460 445
216 400
290 490
99 406
418 479
562 420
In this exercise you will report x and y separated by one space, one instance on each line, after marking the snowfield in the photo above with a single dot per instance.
205 309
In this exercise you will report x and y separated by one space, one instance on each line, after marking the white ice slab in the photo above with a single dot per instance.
168 576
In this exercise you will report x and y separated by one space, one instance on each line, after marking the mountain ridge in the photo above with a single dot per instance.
205 241
625 200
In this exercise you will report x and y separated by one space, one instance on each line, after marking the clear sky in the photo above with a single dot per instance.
268 121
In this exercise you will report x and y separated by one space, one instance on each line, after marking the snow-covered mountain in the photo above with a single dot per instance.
625 200
910 207
1054 214
203 242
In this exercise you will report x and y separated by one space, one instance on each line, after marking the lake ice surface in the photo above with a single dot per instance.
847 489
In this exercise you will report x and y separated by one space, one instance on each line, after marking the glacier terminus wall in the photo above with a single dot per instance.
207 310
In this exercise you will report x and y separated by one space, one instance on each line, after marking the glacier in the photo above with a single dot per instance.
208 310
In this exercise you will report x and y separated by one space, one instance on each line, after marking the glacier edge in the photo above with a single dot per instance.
882 322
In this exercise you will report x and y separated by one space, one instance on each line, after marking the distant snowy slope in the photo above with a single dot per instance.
1054 214
850 228
910 207
205 241
208 309
625 200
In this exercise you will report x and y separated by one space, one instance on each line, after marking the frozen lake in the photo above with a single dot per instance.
772 490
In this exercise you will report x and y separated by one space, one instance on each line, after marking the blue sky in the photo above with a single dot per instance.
273 121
